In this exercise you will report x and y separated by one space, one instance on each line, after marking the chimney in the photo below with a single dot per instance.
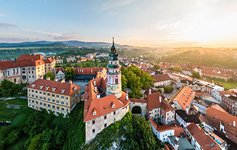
150 91
70 81
126 96
63 80
48 78
94 82
160 98
186 110
233 123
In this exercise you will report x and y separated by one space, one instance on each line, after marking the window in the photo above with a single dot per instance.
105 125
105 117
114 113
93 122
62 109
93 131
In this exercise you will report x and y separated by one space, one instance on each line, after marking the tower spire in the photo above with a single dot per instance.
113 50
113 41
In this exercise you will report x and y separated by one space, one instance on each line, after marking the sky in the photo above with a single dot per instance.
152 23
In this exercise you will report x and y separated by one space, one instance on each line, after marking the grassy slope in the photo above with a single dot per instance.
8 114
226 84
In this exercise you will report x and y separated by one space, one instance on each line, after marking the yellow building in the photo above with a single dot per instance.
55 97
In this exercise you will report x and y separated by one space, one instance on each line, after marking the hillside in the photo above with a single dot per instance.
220 57
58 44
32 130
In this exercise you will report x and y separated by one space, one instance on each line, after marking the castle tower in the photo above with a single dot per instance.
113 81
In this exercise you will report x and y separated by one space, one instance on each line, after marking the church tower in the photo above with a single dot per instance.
113 81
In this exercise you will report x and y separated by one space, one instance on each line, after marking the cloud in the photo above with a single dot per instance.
7 25
44 33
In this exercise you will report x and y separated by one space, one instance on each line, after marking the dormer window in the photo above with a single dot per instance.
41 87
53 89
63 91
47 87
113 105
33 85
94 112
74 88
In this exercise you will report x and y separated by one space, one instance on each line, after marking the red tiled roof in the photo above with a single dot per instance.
215 111
178 131
49 60
103 105
135 100
59 69
48 85
184 97
161 77
86 71
166 106
29 57
23 61
153 101
206 142
225 93
7 64
149 90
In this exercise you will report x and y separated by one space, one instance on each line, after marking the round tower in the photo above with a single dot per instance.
113 79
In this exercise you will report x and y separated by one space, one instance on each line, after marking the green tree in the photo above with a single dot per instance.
50 75
196 75
36 142
69 73
156 67
124 82
168 89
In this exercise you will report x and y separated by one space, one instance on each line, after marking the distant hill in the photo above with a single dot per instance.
220 57
58 44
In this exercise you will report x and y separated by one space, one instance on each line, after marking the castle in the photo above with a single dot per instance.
104 100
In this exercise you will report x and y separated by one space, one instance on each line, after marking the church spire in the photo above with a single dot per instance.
113 50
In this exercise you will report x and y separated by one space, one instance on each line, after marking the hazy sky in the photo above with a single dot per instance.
211 23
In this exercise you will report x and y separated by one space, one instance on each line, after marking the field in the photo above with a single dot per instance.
9 110
226 84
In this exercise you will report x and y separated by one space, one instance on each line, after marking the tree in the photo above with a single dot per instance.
142 133
124 82
50 75
137 79
69 73
168 89
35 142
196 75
156 67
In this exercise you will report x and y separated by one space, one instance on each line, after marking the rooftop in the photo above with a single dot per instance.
63 88
203 140
186 117
161 77
184 97
96 106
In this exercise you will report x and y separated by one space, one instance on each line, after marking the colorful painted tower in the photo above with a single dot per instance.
113 84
